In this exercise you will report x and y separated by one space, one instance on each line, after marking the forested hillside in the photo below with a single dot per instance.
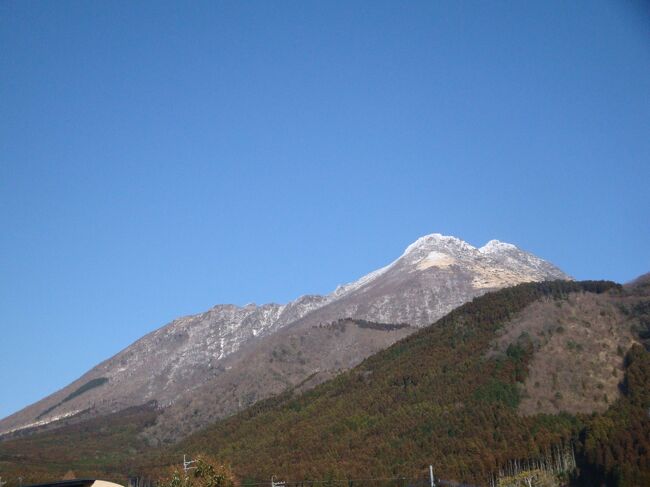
449 395
438 397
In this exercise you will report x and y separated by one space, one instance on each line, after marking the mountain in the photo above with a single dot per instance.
206 366
513 378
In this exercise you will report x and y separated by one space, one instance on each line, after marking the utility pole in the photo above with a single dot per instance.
433 482
186 465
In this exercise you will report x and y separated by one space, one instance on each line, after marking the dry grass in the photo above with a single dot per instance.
579 345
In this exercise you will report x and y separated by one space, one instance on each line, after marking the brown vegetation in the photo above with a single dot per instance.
448 395
578 343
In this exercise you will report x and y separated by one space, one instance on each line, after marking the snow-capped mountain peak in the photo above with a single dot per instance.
494 246
435 274
437 241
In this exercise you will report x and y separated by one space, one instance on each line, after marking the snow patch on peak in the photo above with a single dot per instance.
496 246
430 250
436 240
353 286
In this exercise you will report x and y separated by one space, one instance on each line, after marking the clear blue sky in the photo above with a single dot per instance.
158 158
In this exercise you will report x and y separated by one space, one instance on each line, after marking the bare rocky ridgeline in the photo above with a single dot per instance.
203 367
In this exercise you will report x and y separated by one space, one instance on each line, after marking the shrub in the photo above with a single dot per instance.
207 472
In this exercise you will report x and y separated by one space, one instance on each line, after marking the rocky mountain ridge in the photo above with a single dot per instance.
198 357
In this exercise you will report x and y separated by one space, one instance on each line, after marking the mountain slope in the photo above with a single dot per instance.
195 359
451 395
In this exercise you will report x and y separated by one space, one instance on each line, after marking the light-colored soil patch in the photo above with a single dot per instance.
436 259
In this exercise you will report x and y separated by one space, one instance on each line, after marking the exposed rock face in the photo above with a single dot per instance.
301 354
209 365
